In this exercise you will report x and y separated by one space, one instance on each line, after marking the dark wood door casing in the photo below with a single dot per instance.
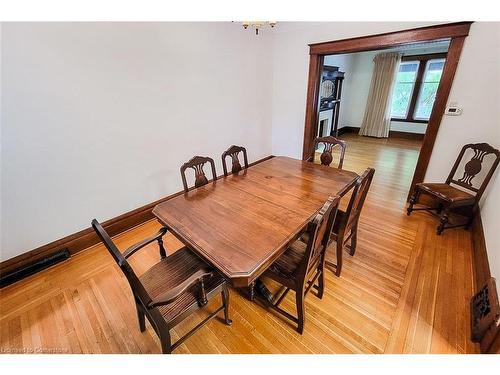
456 32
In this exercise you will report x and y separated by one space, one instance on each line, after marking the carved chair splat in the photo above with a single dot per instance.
233 152
329 143
196 164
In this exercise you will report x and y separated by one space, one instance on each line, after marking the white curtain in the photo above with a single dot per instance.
377 119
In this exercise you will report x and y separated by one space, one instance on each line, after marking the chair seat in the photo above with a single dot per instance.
286 265
172 271
339 219
446 192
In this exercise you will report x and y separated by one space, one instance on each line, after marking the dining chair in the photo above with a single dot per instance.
303 263
466 193
329 143
233 152
345 226
171 290
196 164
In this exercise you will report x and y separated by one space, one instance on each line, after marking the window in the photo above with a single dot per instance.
416 85
403 90
428 89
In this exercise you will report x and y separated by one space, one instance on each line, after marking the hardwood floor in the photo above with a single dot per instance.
406 290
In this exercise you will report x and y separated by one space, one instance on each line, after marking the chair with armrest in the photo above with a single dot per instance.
329 143
302 264
171 290
196 164
233 152
462 192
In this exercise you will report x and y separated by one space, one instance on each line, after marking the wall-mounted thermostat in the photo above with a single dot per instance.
453 110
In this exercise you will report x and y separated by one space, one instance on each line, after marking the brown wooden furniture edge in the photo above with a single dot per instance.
481 268
85 238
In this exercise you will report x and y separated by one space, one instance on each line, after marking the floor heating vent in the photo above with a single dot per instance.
32 268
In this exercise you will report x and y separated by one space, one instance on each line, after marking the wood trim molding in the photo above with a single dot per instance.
457 32
481 268
315 63
392 133
480 259
444 88
406 135
424 57
395 119
85 238
392 39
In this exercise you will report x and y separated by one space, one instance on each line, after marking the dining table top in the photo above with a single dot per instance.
243 222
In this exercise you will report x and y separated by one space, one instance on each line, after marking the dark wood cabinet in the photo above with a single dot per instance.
330 96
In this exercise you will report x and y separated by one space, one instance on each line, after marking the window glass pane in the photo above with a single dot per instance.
403 88
427 94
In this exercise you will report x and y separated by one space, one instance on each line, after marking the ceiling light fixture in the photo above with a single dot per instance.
257 25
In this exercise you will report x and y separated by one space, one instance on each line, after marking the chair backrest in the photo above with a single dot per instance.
233 152
134 282
480 152
197 163
329 143
357 199
319 230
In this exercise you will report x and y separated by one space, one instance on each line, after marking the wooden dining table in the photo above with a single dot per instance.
242 223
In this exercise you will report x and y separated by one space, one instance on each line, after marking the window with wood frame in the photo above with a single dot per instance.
416 85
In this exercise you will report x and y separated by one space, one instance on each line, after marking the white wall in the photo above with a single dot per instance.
409 127
476 89
343 61
98 117
358 87
1 127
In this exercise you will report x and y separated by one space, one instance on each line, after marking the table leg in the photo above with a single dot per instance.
263 292
251 291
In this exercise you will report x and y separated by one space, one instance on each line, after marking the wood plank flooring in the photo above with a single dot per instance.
405 291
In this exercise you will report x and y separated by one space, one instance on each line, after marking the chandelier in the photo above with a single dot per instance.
257 25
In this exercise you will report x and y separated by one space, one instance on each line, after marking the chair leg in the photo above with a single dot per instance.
413 200
340 248
439 209
442 221
141 317
470 219
300 310
163 253
469 223
225 302
354 240
166 343
321 283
